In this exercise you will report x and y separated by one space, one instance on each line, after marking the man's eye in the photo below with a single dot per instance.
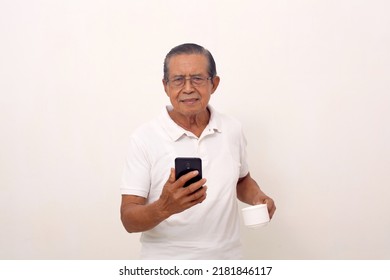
197 79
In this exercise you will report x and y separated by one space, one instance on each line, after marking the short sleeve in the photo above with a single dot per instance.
136 171
244 169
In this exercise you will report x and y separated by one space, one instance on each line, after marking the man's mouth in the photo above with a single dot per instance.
189 100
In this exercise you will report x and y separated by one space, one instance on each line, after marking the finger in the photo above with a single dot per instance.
271 212
198 196
196 186
271 206
183 179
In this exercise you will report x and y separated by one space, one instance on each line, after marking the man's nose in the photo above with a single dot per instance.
188 87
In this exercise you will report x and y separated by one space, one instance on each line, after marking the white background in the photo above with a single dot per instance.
309 80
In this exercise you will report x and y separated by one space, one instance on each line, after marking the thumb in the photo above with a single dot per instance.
260 200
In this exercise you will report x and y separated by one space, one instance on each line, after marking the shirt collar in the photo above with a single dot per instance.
175 131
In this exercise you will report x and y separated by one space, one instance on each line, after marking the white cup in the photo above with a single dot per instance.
256 216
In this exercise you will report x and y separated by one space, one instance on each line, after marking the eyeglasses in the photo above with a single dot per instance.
196 81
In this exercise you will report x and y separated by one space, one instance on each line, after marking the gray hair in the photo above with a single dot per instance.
190 48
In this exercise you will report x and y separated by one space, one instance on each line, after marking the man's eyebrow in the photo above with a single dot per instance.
191 75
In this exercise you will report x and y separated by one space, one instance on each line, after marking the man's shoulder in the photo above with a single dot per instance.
147 128
154 129
230 119
227 120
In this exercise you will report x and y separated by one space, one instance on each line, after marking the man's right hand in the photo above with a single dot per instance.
175 199
138 216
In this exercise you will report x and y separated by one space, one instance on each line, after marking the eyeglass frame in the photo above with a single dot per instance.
191 79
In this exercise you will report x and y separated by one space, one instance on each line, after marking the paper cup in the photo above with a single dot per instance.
256 216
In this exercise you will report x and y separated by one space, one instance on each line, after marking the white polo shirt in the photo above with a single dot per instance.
209 230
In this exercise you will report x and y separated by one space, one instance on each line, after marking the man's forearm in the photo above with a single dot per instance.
248 190
138 218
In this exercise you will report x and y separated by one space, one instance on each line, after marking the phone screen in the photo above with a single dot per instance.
183 165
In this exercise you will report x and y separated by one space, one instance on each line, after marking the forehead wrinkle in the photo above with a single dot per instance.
188 65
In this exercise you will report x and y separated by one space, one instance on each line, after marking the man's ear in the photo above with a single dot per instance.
165 86
215 81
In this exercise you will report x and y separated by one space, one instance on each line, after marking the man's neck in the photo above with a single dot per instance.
194 123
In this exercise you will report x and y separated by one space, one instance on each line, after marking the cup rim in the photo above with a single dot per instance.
254 207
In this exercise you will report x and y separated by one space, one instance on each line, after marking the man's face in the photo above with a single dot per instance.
189 99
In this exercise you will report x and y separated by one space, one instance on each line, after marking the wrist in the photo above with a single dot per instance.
160 210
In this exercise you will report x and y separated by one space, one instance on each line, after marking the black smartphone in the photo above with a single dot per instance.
183 165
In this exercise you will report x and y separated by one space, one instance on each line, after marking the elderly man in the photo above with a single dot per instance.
190 222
